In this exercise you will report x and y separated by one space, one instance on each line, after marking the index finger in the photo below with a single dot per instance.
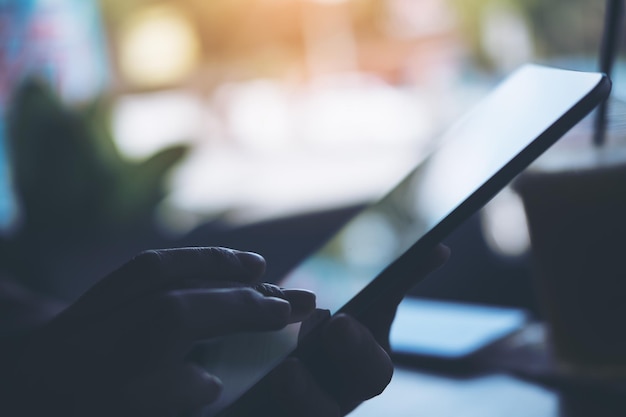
168 269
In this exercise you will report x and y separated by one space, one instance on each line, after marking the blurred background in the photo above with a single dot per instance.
260 124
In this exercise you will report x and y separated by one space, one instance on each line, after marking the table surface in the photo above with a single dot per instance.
516 376
418 393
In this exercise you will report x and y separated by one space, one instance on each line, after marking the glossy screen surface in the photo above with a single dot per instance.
470 153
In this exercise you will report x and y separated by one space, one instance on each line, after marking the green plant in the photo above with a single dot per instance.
80 200
68 175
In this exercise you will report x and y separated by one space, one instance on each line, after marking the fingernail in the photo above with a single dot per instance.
251 261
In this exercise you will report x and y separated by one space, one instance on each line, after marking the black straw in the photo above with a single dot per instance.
608 52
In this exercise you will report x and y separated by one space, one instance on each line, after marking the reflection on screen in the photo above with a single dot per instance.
471 152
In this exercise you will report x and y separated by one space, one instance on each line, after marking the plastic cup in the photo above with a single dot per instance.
575 203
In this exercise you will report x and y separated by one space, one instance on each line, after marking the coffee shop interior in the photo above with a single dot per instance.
267 124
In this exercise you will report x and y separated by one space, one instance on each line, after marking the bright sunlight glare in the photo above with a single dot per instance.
159 47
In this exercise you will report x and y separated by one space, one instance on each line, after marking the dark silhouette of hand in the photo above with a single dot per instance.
121 349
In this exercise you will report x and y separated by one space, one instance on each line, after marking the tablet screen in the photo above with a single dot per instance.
470 154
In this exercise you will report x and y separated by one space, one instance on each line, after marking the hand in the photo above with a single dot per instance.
120 349
352 365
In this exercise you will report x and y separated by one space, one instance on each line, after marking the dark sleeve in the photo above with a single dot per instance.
22 310
21 313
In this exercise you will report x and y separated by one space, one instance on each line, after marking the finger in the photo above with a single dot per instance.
302 301
302 304
174 322
379 317
297 393
201 264
156 270
132 325
215 312
172 391
206 313
359 367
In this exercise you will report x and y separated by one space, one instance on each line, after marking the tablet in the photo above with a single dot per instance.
371 255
